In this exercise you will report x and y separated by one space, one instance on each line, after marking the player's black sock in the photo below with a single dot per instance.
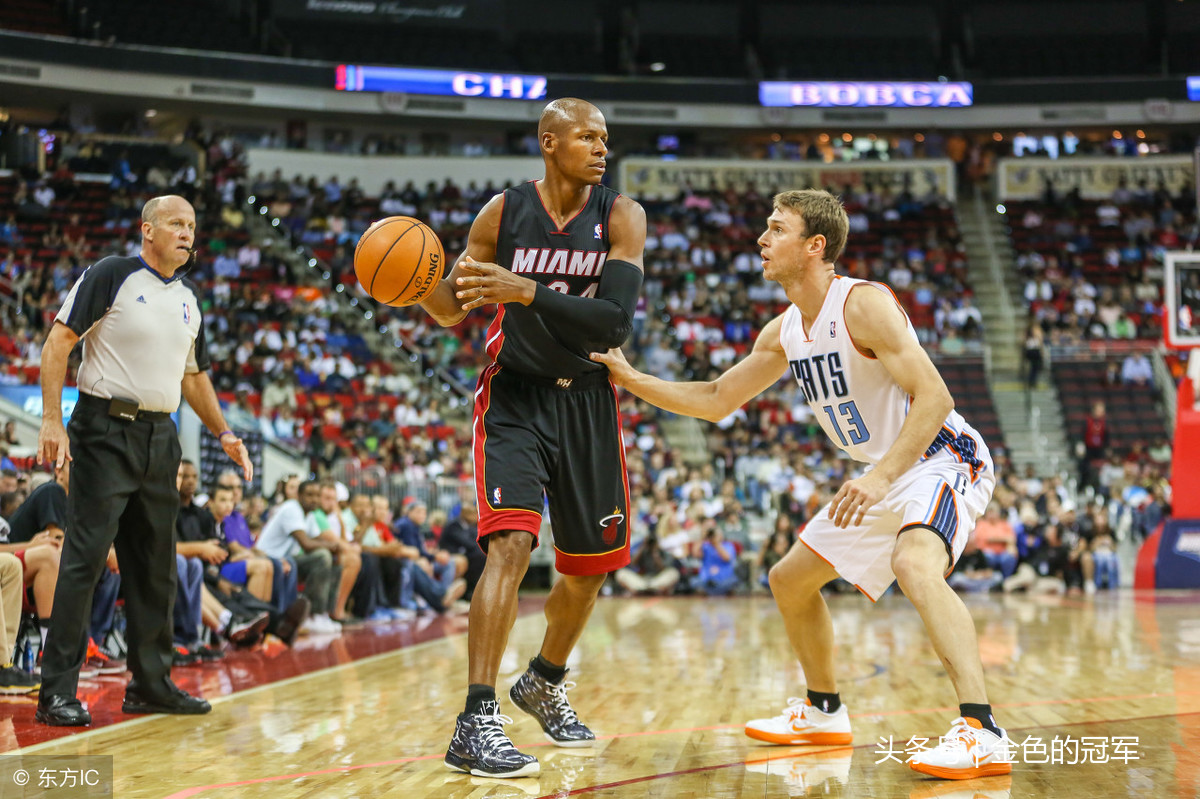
826 703
477 695
547 669
982 714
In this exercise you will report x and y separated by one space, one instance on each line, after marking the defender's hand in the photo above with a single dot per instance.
619 370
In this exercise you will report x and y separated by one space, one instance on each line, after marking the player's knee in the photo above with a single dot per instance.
509 547
781 582
42 557
585 585
793 578
913 568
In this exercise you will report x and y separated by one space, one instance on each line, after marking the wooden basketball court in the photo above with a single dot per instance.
667 685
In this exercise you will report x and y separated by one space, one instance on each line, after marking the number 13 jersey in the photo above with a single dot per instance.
856 401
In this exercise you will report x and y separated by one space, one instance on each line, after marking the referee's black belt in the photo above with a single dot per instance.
102 405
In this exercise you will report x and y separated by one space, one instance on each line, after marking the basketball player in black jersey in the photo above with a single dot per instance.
561 257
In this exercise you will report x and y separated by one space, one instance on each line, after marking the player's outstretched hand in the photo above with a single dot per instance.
488 284
619 370
856 497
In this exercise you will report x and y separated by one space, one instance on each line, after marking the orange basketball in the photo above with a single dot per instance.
399 260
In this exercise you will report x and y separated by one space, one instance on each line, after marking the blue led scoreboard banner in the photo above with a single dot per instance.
353 78
865 94
1193 87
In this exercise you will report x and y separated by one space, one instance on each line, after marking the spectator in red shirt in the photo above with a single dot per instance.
997 540
1095 442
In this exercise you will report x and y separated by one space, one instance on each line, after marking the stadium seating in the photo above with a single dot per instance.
1133 411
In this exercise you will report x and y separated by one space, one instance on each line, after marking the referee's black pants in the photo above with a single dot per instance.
122 492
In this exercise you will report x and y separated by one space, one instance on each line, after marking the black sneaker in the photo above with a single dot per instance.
480 747
209 653
182 656
15 681
548 703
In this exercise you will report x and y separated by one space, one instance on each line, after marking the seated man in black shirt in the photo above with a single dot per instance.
36 533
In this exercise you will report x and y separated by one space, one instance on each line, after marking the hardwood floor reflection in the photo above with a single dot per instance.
1111 683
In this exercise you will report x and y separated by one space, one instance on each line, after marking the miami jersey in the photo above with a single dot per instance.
570 260
854 398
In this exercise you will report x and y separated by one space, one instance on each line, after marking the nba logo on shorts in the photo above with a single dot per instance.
187 314
599 231
496 496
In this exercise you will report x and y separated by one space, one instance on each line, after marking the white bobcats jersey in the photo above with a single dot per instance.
858 404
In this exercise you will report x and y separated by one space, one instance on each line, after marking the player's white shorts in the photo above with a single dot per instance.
940 493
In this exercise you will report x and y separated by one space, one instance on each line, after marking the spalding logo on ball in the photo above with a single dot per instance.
399 260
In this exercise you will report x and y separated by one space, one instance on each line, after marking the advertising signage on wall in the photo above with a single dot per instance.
865 94
352 78
423 12
656 178
1095 178
1193 87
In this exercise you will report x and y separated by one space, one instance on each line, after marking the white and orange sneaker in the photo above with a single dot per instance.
800 723
966 752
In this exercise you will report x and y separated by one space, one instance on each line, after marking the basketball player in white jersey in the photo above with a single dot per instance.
850 346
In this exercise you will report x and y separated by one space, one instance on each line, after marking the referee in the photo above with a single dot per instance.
143 345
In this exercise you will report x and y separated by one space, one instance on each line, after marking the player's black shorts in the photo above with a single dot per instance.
537 439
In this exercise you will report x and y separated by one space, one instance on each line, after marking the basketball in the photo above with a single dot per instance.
399 260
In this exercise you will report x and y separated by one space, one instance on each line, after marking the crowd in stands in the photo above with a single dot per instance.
1092 269
1093 277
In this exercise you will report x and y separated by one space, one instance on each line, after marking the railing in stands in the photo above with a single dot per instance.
441 493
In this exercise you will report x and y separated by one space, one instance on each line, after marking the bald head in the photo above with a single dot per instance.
156 207
565 113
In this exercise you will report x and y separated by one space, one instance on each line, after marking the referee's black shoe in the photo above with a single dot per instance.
61 710
167 697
